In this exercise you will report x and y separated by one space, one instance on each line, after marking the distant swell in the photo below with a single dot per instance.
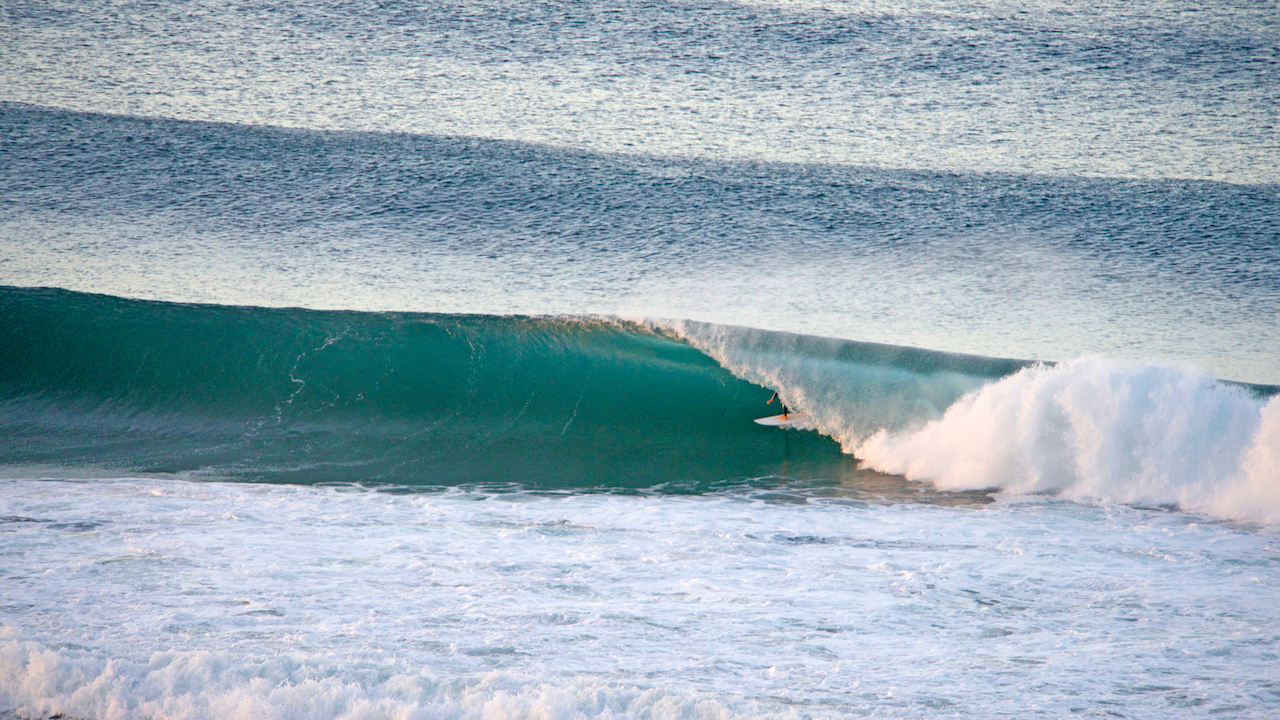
1126 432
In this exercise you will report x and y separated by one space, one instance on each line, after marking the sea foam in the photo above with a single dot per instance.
137 598
1141 433
197 685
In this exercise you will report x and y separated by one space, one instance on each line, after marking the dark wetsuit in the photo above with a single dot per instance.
779 399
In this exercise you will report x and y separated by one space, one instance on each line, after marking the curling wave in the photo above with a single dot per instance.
304 396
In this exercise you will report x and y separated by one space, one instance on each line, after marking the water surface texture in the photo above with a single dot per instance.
385 360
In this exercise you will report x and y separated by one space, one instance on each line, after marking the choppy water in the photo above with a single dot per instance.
387 361
271 601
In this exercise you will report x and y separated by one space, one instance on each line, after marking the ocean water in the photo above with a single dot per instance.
382 360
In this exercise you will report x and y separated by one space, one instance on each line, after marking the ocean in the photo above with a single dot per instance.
387 360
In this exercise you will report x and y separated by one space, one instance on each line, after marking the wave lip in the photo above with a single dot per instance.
1129 432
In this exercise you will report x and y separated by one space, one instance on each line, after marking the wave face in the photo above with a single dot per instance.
293 395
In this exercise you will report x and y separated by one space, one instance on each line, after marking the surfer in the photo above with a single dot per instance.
780 402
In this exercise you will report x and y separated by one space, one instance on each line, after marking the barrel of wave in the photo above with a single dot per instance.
847 389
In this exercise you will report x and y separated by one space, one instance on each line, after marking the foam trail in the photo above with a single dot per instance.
1143 433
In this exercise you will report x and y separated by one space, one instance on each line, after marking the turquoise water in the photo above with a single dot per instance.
289 395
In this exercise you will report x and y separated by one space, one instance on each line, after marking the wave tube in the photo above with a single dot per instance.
850 389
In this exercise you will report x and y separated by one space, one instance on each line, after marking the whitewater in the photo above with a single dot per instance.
369 360
292 601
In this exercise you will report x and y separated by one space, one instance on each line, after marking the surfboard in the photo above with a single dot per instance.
791 419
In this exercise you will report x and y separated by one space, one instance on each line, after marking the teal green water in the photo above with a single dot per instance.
307 396
295 395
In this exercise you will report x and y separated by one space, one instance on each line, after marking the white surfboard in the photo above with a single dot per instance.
789 420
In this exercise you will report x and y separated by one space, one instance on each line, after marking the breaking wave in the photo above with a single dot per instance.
1142 433
304 396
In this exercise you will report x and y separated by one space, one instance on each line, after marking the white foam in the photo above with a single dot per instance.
293 686
1143 433
167 599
